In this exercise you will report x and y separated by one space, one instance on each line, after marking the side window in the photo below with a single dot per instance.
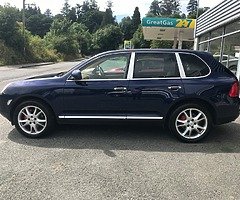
110 67
155 65
193 66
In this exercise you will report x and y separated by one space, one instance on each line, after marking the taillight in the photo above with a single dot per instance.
234 92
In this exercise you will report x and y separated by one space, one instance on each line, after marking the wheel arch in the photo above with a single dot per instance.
28 98
198 101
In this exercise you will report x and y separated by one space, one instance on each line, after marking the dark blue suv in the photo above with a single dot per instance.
187 91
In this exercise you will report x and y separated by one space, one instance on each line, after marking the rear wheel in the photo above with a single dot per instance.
33 119
190 122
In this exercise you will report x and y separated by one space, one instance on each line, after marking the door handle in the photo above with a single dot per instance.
175 87
120 89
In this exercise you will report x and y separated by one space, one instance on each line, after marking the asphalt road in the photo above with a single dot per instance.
133 161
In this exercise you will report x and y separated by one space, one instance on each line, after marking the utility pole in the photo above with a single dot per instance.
23 29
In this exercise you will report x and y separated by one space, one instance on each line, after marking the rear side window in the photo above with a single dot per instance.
193 66
155 65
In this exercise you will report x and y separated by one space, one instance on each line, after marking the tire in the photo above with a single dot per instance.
33 119
190 122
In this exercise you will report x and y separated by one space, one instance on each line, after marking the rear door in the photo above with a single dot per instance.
154 85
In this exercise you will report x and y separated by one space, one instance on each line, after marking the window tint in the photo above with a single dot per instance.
193 66
155 65
110 67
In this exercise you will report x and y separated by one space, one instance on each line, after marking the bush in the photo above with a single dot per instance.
9 56
39 50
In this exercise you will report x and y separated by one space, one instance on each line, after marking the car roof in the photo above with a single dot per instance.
158 50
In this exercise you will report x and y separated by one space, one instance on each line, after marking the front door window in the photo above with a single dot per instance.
111 67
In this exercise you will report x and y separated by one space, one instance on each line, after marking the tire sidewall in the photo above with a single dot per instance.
45 108
181 108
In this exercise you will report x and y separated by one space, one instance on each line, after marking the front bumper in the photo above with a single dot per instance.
5 104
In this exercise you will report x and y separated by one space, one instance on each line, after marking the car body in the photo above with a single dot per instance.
187 91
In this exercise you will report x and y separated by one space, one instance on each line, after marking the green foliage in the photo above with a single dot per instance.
138 39
68 12
107 38
108 18
9 56
164 8
39 24
164 44
154 9
92 20
39 51
9 32
192 7
62 39
136 20
126 27
83 37
80 30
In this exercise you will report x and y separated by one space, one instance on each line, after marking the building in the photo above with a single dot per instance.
218 31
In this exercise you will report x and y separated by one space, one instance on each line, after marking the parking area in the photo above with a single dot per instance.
115 161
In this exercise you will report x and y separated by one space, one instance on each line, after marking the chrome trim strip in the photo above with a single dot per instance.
108 117
133 117
180 66
142 79
92 117
92 80
131 66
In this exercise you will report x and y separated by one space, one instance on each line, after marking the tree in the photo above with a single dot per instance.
39 24
10 31
136 20
108 15
202 10
48 13
192 7
126 28
66 8
154 9
61 38
107 38
169 8
155 44
68 12
83 37
138 39
36 22
88 14
92 20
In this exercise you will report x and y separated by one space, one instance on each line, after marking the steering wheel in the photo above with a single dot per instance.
98 72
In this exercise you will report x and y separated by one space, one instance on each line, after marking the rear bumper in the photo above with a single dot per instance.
227 113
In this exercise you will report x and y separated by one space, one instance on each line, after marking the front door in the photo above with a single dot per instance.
101 93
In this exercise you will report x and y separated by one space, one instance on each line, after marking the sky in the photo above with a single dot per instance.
121 8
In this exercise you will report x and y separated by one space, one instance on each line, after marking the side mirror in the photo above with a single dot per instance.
77 75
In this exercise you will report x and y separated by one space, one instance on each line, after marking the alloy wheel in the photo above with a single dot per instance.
191 123
32 120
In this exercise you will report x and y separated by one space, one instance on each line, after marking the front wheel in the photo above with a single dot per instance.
190 122
33 119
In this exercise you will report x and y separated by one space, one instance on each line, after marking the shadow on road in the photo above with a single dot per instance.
136 137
